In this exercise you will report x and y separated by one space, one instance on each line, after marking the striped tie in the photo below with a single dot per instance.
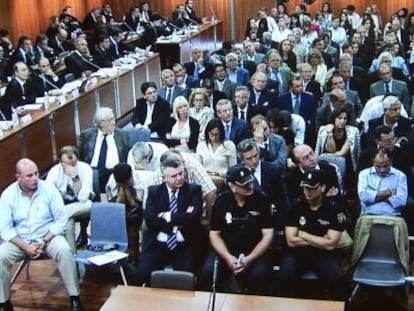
172 238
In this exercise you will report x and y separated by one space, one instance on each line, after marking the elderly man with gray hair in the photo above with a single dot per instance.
392 118
103 146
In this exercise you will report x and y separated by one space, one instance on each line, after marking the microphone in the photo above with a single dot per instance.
191 20
50 83
212 298
129 27
174 26
90 63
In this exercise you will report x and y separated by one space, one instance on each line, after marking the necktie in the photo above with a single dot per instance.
242 117
346 85
227 131
276 74
387 89
296 105
195 75
172 238
169 96
103 153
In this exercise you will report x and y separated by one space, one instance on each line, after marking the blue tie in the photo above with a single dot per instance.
103 153
172 238
227 131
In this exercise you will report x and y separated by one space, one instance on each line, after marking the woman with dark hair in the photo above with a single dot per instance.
295 21
368 22
345 23
281 9
215 153
145 12
262 28
288 56
327 12
339 139
251 29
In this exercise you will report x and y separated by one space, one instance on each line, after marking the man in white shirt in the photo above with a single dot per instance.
73 179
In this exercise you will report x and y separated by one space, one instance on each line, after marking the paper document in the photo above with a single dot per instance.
107 257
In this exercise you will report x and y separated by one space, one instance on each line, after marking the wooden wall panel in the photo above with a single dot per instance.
20 17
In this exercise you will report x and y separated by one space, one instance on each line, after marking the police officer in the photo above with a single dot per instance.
240 235
312 232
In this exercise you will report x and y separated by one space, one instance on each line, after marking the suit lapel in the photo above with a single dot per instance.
92 142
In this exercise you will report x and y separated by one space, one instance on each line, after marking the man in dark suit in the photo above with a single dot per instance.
183 79
91 18
132 19
234 129
310 85
296 101
260 98
20 90
23 53
213 95
170 89
172 215
101 52
45 79
103 146
402 127
337 98
118 48
387 85
80 60
242 109
58 41
355 79
42 48
151 111
221 83
197 66
305 159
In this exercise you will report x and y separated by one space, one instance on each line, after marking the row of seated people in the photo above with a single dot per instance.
105 146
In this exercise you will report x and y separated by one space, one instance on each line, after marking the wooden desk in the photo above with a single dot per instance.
127 298
60 125
209 36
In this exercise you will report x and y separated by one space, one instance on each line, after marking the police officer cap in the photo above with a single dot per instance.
313 179
240 175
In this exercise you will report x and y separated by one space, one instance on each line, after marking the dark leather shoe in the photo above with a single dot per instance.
82 240
75 304
7 306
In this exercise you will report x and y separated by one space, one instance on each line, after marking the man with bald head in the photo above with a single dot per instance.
337 98
32 223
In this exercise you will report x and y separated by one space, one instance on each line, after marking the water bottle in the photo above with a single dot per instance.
46 100
213 19
15 117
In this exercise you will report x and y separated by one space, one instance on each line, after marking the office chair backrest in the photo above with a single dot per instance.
108 225
381 244
172 279
69 77
137 135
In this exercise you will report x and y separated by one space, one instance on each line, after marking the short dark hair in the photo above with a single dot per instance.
336 112
212 124
382 130
122 172
146 85
68 150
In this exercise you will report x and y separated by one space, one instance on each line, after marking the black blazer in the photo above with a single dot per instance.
194 133
14 96
404 128
207 73
160 115
87 142
103 58
239 131
158 201
251 112
77 65
267 101
41 86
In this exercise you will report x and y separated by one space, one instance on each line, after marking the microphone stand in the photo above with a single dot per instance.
212 298
90 63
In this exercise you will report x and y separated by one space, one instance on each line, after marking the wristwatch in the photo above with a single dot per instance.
45 241
76 178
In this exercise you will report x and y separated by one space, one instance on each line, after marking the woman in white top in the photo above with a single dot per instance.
214 153
199 109
182 130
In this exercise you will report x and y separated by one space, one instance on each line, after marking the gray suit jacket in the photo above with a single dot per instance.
87 142
398 87
229 88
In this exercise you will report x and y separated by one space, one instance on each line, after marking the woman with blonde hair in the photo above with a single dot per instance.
199 109
319 69
182 130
